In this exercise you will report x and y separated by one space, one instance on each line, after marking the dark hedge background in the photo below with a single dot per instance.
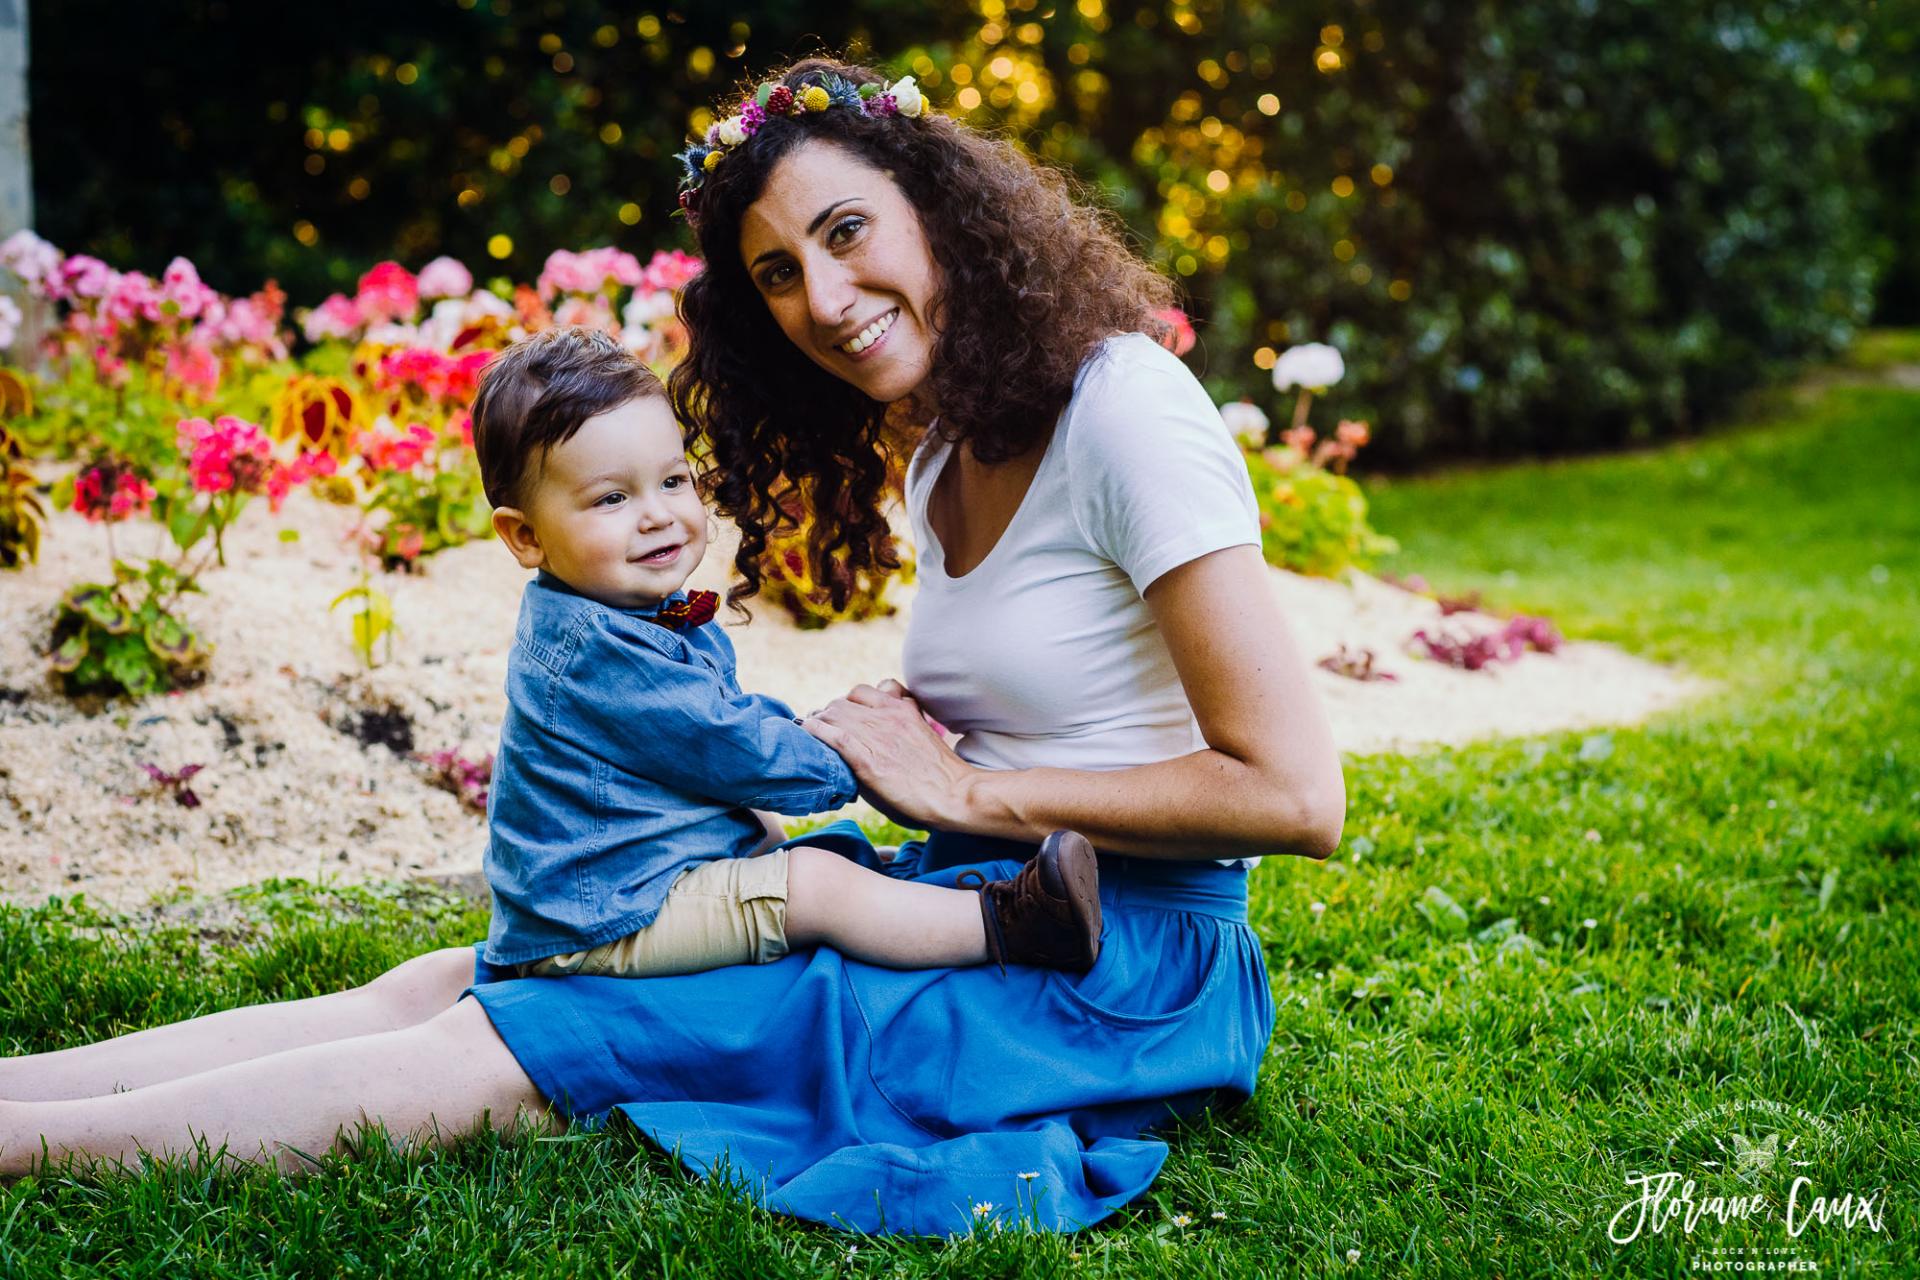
1531 228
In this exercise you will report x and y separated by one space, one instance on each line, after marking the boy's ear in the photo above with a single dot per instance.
511 524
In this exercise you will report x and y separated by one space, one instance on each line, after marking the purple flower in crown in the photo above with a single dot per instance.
752 116
713 134
882 104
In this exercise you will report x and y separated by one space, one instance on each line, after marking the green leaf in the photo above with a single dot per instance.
132 665
67 657
171 640
98 605
289 535
186 526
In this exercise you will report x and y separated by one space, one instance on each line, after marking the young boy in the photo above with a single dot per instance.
623 837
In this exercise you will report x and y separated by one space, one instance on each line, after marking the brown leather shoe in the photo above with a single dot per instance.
1049 913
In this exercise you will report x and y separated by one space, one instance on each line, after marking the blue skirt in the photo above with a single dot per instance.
926 1101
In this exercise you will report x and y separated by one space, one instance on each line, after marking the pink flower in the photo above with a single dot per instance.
229 454
1179 335
110 493
194 367
84 276
463 423
1299 439
1353 434
133 298
337 317
670 269
302 469
246 322
590 312
180 285
445 278
590 272
616 266
564 272
388 292
437 376
386 449
9 321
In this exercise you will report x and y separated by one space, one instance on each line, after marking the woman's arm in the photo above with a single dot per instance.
1268 782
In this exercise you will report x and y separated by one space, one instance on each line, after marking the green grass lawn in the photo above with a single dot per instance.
1533 962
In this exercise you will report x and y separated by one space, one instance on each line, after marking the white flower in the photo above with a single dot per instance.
1219 1215
1314 365
1029 1176
906 96
1316 907
647 307
9 321
1545 901
29 257
1182 1220
1353 1255
1245 420
482 303
1589 923
982 1209
733 131
1593 837
444 323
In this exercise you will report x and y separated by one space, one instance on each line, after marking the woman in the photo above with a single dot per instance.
1093 618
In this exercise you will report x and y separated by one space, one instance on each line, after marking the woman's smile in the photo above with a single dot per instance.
870 339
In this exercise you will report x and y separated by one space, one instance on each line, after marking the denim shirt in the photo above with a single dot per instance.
627 755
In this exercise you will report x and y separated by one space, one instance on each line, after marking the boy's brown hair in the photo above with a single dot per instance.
540 391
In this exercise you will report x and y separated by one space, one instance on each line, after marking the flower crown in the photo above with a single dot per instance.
703 156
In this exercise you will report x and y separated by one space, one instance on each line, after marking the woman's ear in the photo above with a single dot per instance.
511 524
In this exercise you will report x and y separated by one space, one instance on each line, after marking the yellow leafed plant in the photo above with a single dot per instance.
23 516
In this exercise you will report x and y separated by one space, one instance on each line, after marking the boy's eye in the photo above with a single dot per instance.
611 500
675 482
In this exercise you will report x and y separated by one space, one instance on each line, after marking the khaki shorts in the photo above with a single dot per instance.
726 912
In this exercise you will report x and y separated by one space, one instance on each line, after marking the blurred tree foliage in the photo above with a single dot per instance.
1564 224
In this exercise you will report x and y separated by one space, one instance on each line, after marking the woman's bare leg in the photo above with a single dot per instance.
403 996
430 1084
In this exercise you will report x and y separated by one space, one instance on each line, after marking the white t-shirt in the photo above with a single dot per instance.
1046 654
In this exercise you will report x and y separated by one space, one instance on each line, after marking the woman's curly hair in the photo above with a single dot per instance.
1031 281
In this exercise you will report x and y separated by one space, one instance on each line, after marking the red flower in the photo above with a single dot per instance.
110 492
779 101
1178 336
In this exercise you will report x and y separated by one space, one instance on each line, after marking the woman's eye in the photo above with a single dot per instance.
843 230
776 276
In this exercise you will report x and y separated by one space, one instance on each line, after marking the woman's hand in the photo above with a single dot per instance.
906 770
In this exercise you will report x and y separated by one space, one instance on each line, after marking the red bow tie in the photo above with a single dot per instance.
696 610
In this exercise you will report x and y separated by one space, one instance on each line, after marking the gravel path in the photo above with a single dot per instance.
305 753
